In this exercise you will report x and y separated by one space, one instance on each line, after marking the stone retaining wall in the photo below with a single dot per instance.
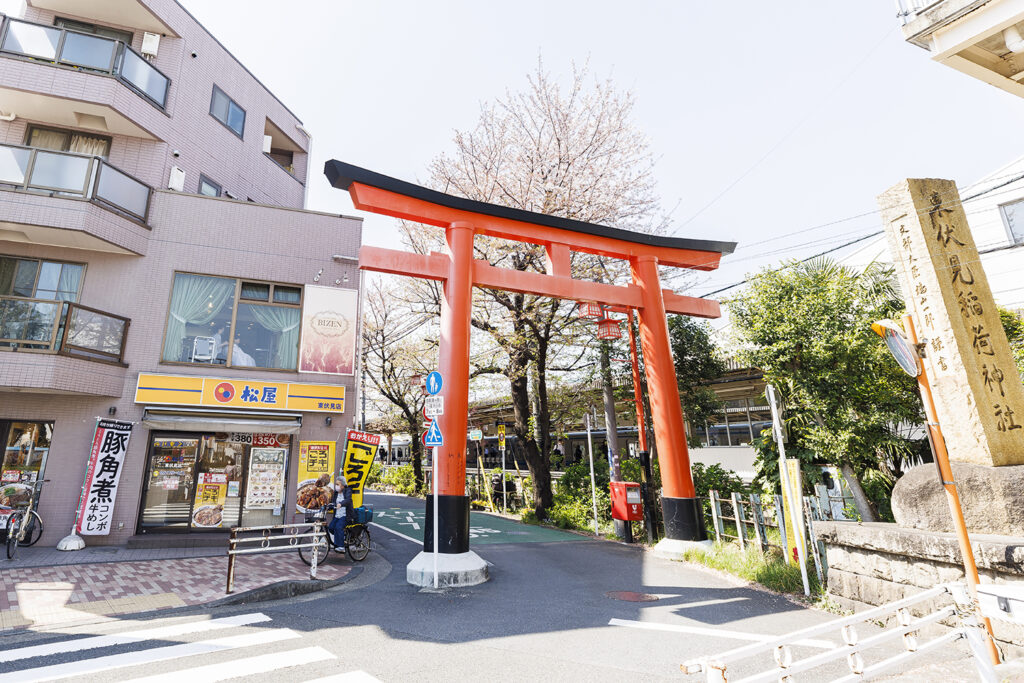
871 564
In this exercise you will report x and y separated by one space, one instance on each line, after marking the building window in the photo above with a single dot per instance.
740 421
35 279
225 110
93 29
67 141
238 323
1013 216
208 187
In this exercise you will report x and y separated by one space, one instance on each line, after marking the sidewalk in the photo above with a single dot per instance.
45 587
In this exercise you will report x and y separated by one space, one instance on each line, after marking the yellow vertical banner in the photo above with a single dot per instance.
316 469
360 450
792 486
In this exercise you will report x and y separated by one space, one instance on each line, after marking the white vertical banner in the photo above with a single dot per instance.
106 460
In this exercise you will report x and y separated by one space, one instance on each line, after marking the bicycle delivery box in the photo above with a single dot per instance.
363 514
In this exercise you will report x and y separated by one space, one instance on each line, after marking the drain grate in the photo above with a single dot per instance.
631 596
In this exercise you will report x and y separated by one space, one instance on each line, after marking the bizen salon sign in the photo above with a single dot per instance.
233 393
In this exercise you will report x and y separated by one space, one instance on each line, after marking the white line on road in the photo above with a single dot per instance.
132 637
396 533
702 603
159 654
242 667
717 632
350 677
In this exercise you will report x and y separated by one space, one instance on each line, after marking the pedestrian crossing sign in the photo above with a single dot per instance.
434 437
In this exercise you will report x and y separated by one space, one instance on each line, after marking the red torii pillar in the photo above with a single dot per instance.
461 220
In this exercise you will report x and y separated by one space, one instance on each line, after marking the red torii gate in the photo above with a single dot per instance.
461 219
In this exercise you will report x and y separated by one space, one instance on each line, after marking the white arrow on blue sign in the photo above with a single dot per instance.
434 437
434 383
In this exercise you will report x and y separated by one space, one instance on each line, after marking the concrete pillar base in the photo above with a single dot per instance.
675 549
453 570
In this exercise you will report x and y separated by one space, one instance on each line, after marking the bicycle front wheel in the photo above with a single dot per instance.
33 529
320 550
13 528
357 543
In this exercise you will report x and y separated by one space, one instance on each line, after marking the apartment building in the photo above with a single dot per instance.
159 273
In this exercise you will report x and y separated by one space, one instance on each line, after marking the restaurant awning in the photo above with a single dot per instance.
184 420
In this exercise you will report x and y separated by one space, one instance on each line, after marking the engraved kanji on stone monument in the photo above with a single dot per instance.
978 392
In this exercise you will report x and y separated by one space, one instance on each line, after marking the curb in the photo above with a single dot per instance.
282 589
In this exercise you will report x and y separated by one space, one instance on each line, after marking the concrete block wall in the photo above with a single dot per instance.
871 564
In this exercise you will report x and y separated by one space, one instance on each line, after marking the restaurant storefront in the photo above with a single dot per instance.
219 452
23 462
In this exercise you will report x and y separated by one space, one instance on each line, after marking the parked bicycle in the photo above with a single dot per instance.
356 541
24 526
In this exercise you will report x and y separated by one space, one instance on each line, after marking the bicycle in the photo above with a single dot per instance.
356 541
24 527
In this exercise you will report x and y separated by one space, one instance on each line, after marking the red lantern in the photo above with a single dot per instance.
591 310
608 329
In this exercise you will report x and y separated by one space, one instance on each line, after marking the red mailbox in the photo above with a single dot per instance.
627 504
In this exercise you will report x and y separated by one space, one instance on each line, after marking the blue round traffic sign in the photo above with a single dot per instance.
434 383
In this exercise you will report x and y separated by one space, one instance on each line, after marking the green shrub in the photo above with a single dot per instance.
577 511
400 479
373 478
715 477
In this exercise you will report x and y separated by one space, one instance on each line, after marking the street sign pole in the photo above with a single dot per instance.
435 440
436 534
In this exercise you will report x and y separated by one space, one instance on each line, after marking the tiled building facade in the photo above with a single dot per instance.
109 243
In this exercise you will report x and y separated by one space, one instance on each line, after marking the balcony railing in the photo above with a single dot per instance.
62 327
75 175
85 52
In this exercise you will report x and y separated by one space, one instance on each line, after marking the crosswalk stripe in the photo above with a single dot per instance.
132 637
149 656
350 677
243 667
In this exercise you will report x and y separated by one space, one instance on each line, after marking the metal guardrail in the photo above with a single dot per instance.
964 611
74 175
289 533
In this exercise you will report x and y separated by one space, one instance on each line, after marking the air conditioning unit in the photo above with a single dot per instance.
150 45
177 180
267 143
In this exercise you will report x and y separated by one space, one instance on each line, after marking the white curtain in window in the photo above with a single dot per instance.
86 144
48 139
67 286
196 300
284 321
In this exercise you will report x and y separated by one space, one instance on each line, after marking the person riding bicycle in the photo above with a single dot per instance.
342 504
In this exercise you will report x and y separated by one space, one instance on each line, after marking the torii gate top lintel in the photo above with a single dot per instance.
383 194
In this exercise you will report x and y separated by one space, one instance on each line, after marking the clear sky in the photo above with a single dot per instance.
841 105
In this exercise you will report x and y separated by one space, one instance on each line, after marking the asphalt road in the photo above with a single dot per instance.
544 615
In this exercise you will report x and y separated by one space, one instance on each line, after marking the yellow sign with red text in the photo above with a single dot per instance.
235 393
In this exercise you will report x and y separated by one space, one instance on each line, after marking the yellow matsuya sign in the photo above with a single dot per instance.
239 393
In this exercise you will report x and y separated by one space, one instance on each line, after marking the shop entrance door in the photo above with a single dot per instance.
167 501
